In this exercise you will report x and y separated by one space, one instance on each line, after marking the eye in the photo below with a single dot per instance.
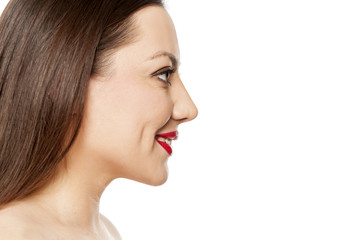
164 74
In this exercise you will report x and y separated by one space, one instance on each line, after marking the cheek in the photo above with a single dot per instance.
155 109
138 106
120 118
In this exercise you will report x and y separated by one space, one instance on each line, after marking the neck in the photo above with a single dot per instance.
73 197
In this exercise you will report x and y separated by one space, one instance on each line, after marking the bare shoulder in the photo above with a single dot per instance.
110 227
15 227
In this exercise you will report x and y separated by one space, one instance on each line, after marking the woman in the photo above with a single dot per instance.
89 92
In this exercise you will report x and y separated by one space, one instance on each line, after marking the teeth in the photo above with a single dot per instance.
165 140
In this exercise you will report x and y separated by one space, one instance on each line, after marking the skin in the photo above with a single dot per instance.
125 109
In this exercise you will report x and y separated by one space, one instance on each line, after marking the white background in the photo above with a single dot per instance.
275 150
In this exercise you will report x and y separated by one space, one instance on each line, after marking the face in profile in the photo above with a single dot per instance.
139 98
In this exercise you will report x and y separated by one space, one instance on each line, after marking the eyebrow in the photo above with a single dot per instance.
171 56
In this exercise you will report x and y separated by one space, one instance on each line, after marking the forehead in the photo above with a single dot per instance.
155 31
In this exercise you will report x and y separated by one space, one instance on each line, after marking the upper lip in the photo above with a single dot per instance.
169 135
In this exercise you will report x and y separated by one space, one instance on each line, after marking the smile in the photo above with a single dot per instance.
165 139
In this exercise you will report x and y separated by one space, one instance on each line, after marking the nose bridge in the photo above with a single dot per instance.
184 108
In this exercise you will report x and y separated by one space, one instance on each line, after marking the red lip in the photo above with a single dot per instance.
167 147
170 135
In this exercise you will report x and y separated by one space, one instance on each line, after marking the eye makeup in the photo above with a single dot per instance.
166 72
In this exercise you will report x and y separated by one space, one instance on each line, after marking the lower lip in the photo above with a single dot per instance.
166 146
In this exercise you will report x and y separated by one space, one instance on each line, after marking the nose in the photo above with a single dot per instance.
184 109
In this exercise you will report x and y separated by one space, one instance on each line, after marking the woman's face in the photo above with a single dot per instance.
128 107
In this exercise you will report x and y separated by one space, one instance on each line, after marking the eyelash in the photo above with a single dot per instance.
167 71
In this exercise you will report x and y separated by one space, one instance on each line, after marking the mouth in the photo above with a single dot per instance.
165 139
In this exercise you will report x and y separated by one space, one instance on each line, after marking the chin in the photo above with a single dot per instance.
158 182
157 179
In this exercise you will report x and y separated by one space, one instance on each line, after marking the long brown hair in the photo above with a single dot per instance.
48 51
